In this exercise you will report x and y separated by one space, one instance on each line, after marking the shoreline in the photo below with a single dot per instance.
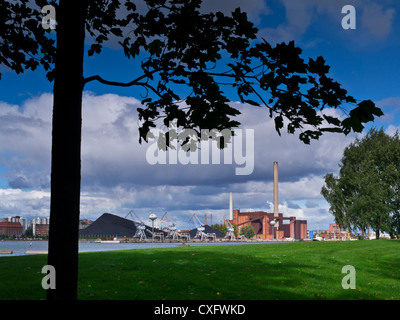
23 240
21 248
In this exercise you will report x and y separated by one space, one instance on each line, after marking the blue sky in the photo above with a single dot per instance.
115 174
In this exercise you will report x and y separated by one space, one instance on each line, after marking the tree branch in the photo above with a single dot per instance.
147 86
114 83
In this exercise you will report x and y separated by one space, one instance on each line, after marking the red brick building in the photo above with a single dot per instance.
261 222
334 228
334 232
42 230
10 229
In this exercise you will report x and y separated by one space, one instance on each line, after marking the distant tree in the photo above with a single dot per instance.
220 227
366 193
28 232
223 228
247 231
235 230
185 58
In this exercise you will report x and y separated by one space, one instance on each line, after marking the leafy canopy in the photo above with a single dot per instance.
366 192
186 58
247 231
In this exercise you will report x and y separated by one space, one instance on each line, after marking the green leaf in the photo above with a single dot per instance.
94 48
332 120
318 66
278 123
364 113
116 31
50 75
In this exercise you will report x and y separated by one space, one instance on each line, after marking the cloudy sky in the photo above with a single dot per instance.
117 175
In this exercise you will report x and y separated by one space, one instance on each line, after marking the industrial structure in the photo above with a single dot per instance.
110 226
201 232
266 225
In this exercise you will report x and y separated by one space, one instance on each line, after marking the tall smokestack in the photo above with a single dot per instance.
276 211
230 207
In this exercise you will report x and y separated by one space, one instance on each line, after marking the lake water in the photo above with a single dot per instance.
20 247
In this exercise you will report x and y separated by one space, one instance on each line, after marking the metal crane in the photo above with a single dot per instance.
172 232
140 226
199 226
163 219
229 228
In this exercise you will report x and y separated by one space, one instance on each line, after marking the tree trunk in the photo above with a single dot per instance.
363 233
66 149
378 226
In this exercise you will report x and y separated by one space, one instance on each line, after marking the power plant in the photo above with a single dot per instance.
266 225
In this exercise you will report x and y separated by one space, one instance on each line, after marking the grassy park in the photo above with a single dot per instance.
302 270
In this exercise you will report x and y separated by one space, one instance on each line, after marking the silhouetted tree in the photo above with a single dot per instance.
186 57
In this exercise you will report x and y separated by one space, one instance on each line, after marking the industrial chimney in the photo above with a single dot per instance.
276 211
230 207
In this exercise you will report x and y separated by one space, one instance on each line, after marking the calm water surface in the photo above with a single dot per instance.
20 247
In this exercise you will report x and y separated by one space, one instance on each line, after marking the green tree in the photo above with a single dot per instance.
223 228
366 192
219 227
247 231
183 55
334 195
29 232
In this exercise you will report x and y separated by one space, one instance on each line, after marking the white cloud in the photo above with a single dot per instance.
390 107
17 202
117 178
377 20
299 15
391 130
374 21
254 8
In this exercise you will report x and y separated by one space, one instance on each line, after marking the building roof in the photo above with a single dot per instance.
10 224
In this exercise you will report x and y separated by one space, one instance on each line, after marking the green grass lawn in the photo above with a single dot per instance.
302 270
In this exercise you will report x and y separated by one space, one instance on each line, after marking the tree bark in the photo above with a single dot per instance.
66 149
378 226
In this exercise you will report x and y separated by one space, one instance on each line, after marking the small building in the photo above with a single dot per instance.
40 227
42 230
10 229
334 228
24 222
333 233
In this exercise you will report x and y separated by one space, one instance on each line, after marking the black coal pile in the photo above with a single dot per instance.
207 229
112 225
